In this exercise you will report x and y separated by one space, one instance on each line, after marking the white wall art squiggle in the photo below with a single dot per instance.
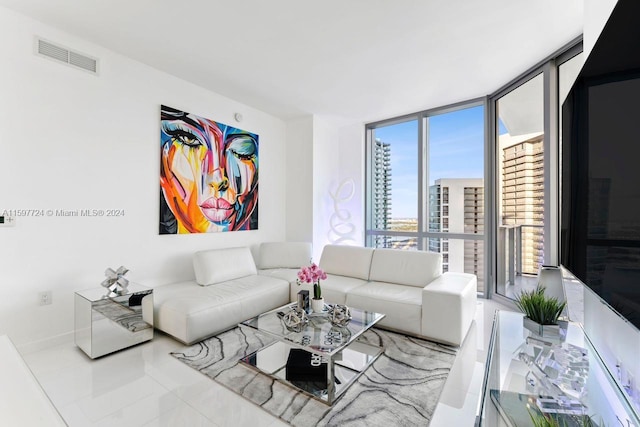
341 229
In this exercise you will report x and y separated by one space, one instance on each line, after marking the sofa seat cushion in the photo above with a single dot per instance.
191 312
401 304
290 275
335 288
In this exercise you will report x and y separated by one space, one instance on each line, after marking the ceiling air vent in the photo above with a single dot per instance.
69 57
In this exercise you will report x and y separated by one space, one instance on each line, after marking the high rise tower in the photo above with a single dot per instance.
381 214
523 194
456 205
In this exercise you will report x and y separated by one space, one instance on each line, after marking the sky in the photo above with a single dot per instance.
456 150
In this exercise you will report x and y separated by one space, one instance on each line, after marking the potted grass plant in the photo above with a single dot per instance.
542 312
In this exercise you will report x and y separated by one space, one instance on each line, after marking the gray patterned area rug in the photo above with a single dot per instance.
401 388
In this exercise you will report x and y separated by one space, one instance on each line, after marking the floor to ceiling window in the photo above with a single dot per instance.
426 185
394 164
426 179
526 117
520 182
455 170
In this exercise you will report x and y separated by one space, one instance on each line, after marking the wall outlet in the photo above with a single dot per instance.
45 298
619 370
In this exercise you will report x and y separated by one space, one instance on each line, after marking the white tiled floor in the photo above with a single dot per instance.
523 283
144 386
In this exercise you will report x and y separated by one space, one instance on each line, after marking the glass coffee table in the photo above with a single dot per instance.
319 358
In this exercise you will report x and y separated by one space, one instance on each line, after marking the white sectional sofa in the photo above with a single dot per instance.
283 260
226 291
407 286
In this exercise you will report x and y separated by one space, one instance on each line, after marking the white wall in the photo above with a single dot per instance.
596 14
339 183
71 140
617 340
325 179
299 166
323 153
352 167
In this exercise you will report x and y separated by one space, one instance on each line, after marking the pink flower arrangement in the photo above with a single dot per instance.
312 274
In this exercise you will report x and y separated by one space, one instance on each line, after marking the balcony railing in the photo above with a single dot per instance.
520 249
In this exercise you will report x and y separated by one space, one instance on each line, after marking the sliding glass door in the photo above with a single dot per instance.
520 186
526 131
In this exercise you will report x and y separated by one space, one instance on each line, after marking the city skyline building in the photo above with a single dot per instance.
381 215
456 205
522 196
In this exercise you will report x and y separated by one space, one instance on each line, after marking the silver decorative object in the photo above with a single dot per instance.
550 278
337 335
295 319
339 314
115 282
555 333
303 301
558 374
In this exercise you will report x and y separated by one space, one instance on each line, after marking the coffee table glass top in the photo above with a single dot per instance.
318 335
337 348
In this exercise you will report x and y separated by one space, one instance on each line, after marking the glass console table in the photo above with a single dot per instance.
529 377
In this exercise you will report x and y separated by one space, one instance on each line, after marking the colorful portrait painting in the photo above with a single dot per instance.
208 175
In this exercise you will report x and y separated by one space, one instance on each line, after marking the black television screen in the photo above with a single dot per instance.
600 208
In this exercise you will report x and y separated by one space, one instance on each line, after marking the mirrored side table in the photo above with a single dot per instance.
106 324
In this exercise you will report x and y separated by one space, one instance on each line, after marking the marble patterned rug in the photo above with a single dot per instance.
401 388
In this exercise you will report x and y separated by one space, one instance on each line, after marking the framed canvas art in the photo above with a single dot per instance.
208 175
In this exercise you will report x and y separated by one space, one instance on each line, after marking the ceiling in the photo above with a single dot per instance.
359 60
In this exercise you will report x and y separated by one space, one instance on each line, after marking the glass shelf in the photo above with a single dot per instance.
515 388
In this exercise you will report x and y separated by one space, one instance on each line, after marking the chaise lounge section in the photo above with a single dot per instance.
226 291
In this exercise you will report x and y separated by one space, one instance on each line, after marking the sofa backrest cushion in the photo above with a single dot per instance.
284 254
412 268
219 265
351 261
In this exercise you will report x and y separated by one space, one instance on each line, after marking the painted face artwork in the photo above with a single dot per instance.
208 175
